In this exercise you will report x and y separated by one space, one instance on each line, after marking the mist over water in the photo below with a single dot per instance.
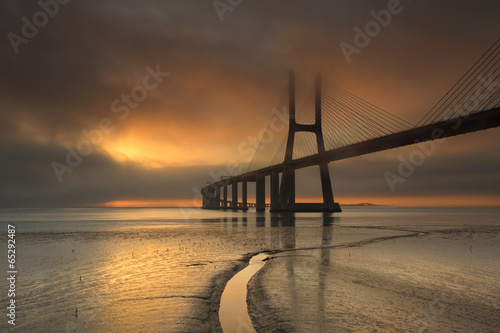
163 270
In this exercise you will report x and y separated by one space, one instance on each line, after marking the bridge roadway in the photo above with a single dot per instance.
452 127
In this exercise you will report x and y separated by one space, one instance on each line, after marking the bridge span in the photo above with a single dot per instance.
471 105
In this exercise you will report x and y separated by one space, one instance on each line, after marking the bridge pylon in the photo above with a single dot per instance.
283 195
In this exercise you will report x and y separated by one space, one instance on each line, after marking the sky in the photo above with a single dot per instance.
158 96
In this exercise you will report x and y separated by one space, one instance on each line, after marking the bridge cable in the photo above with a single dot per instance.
472 70
466 94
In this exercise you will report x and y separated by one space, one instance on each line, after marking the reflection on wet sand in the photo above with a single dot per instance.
381 281
281 231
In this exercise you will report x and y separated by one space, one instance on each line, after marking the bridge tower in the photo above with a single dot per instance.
283 195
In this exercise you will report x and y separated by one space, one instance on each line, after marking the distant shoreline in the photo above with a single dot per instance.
365 204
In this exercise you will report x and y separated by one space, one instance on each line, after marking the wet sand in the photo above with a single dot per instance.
161 280
438 280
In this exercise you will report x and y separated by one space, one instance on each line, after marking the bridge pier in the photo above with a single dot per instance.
224 201
211 196
275 190
244 195
260 193
234 193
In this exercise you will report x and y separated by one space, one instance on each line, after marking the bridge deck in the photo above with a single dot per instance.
452 127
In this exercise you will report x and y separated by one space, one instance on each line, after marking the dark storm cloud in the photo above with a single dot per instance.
86 41
28 179
61 73
64 79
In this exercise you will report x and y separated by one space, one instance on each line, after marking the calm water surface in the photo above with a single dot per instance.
155 270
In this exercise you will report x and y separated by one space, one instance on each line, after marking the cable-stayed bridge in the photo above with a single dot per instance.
326 125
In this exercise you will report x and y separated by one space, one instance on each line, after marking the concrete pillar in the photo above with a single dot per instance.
224 202
244 195
211 196
287 190
217 196
234 192
291 190
326 185
275 190
260 193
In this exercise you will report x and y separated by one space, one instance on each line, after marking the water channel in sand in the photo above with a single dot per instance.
233 312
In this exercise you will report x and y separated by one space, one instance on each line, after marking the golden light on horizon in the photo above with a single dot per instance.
153 203
403 201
